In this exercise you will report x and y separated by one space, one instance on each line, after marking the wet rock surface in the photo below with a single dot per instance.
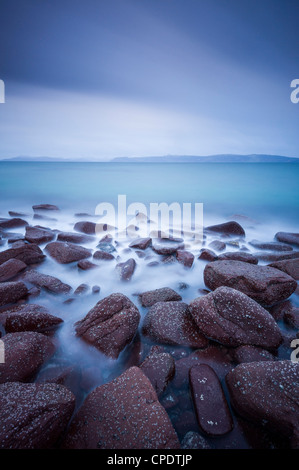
232 318
38 235
126 270
159 367
267 393
185 257
29 317
141 243
110 325
25 353
228 228
238 256
290 267
213 414
264 284
65 253
165 294
123 414
51 283
172 323
29 253
10 268
287 237
33 416
165 246
11 292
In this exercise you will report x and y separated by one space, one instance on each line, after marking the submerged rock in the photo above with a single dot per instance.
167 246
141 243
268 394
185 257
50 283
45 207
33 416
10 269
207 255
228 228
38 235
11 292
74 237
172 323
164 294
232 318
103 255
238 256
110 325
65 253
123 414
25 353
12 223
126 269
264 284
249 353
286 237
193 440
86 265
271 246
217 245
86 227
212 411
29 253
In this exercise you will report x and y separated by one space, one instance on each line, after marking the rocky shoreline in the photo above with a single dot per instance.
115 365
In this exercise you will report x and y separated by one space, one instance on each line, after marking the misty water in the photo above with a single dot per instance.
263 198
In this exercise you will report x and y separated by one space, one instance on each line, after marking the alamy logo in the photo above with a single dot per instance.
295 93
295 353
2 92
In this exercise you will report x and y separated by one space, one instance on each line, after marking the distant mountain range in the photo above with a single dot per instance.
225 158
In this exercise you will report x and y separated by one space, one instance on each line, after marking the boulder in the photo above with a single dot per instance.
12 223
45 207
286 237
10 269
123 414
74 237
65 253
276 256
218 358
264 284
267 393
164 294
238 256
33 416
25 353
50 283
103 255
38 235
212 411
86 227
290 267
185 257
159 367
29 253
217 245
172 323
167 246
29 317
233 319
85 265
271 246
141 243
11 292
249 353
110 325
126 270
207 255
82 289
228 229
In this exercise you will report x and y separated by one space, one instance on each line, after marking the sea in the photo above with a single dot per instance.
263 198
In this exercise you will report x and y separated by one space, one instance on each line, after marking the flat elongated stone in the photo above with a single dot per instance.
10 269
29 253
286 237
228 228
290 267
164 294
51 283
212 411
64 252
38 235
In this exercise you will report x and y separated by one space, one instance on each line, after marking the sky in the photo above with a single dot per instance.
98 79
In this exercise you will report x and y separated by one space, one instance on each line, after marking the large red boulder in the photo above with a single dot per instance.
268 394
64 252
172 323
110 325
264 284
123 414
233 319
29 253
25 353
29 317
33 416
